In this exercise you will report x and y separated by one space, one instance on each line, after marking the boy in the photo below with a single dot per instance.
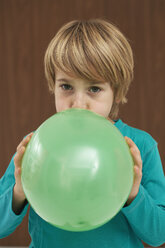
89 64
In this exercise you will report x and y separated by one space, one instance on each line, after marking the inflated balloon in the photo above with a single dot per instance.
77 171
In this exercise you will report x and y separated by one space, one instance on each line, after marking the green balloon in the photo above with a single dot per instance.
77 171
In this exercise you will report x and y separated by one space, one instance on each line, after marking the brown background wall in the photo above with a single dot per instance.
27 26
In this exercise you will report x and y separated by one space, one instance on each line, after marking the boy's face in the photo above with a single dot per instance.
71 92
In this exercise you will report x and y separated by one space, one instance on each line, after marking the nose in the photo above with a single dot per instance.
79 100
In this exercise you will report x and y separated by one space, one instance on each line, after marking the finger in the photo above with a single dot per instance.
25 141
18 157
137 175
17 172
136 157
134 152
131 143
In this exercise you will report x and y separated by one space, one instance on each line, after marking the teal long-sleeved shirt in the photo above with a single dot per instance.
142 220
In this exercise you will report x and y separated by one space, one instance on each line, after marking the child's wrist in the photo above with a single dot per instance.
19 200
18 193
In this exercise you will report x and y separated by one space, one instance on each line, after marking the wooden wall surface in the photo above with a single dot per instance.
27 26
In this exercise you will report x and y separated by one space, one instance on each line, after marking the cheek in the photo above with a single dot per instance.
101 109
60 103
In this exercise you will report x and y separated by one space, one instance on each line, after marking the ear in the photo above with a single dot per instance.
117 101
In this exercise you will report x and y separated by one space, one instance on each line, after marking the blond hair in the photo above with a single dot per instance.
94 50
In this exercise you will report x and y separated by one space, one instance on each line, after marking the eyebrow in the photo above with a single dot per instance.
70 80
64 80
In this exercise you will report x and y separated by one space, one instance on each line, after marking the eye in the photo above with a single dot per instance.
94 89
66 87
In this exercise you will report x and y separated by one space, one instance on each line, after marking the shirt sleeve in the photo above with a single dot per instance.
146 213
8 219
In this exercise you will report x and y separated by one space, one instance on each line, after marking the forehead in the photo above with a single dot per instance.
68 78
63 75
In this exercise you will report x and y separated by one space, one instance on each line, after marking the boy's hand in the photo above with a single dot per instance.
137 169
18 190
